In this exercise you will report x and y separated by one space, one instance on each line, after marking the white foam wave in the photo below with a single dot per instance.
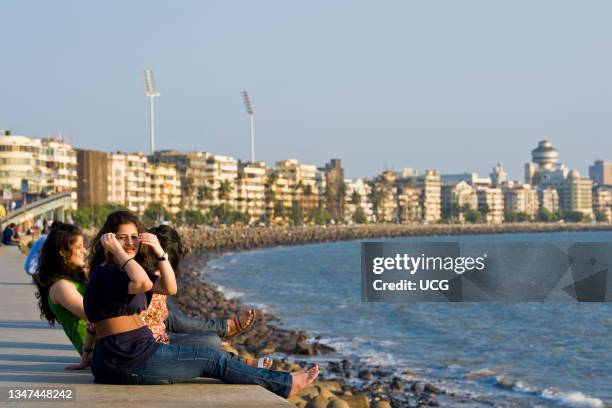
573 399
264 307
230 293
478 374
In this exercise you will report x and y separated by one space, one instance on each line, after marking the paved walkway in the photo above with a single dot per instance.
33 355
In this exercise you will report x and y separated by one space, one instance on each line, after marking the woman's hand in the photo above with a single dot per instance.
83 364
152 241
111 244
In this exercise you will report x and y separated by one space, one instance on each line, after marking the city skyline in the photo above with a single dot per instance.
406 85
519 178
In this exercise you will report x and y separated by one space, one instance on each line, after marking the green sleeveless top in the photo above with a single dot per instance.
74 327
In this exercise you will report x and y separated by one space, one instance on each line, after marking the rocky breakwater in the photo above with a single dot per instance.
234 239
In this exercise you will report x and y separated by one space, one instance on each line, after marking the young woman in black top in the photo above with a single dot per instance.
126 352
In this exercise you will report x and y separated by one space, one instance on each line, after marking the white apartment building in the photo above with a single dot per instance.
491 204
129 180
456 198
576 194
221 173
548 198
165 186
358 188
117 170
521 199
602 201
43 165
251 189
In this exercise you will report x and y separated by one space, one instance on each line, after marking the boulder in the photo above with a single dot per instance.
356 401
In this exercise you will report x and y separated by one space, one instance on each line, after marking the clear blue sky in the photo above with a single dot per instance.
452 85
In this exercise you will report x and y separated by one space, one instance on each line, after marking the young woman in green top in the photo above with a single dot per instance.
61 280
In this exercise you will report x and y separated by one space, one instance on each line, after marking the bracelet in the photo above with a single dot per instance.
125 263
88 350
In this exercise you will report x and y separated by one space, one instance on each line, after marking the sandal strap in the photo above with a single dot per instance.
239 326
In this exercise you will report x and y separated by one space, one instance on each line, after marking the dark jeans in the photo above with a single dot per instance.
172 364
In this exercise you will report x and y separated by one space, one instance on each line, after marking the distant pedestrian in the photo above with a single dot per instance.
9 236
31 262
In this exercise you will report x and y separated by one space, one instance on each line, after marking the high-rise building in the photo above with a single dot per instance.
549 171
409 207
491 204
221 174
456 199
357 196
116 174
165 186
430 199
548 198
601 173
46 166
250 190
521 199
92 183
129 180
196 191
576 194
498 176
602 203
385 197
418 198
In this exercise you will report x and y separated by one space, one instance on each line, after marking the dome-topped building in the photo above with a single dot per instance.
545 155
544 167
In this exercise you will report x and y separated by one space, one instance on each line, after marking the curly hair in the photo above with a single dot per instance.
52 266
171 241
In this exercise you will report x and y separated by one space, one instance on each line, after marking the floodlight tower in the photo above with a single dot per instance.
249 110
152 94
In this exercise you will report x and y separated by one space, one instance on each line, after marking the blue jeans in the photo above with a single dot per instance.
171 364
202 339
179 322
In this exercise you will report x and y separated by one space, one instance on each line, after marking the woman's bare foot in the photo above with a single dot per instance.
303 379
242 321
264 362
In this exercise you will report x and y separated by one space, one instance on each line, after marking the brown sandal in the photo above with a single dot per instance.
242 321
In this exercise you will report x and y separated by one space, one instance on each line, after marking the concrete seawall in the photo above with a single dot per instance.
33 356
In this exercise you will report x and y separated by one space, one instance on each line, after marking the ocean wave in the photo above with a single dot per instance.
264 307
573 399
570 399
478 374
230 293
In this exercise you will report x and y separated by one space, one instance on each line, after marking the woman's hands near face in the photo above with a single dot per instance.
111 244
152 241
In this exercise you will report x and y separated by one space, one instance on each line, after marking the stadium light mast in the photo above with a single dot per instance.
151 93
249 110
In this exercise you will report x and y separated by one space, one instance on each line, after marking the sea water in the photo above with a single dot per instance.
548 354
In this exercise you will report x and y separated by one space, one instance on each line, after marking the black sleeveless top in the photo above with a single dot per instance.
107 296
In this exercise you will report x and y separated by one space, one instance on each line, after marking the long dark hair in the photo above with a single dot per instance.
113 221
171 241
53 266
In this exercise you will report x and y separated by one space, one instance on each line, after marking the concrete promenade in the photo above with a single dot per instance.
33 355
